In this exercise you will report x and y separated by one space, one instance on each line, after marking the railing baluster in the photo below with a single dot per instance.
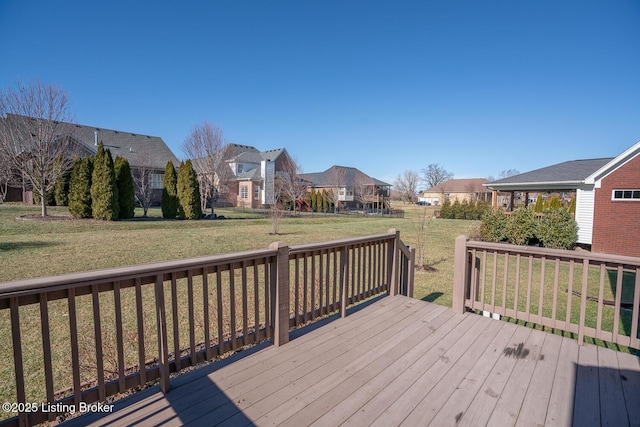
220 311
569 294
296 297
493 282
305 291
583 300
516 302
543 266
140 318
97 331
18 364
313 286
175 320
232 303
161 327
618 299
334 305
119 336
190 305
635 342
256 303
556 283
73 340
529 288
205 303
245 305
46 349
603 271
321 282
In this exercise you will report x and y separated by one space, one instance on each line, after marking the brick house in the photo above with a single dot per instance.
249 180
469 190
607 195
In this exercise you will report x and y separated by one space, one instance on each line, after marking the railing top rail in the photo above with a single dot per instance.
40 284
340 242
555 253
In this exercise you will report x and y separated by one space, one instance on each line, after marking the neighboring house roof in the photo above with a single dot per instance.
561 176
252 175
248 154
350 175
470 185
139 150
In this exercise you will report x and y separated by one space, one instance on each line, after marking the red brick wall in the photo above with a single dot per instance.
616 224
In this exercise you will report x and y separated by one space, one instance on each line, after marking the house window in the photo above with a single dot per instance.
239 169
156 180
256 193
626 195
244 192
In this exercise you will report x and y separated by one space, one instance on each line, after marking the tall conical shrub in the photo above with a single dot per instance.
188 192
104 191
170 201
126 193
80 188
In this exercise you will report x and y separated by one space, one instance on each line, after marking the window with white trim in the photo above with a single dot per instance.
256 192
244 191
626 195
156 180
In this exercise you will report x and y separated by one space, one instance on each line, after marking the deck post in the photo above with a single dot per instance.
394 258
163 345
412 269
460 274
280 287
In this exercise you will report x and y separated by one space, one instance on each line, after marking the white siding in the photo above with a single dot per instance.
585 197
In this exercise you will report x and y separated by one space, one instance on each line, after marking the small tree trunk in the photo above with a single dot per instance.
43 202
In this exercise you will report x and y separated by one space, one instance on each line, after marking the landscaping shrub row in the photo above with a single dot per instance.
555 228
464 210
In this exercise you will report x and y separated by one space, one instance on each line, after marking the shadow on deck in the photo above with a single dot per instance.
400 361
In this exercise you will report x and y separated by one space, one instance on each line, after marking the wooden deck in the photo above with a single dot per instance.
401 361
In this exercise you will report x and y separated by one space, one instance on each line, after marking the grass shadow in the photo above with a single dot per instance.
16 246
432 297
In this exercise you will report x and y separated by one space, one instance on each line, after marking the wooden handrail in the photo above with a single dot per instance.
541 286
144 322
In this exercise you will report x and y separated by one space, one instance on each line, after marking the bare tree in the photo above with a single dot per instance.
365 190
35 134
142 182
435 174
506 173
336 183
288 183
407 185
205 146
6 175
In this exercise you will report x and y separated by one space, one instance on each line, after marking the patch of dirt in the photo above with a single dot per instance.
34 217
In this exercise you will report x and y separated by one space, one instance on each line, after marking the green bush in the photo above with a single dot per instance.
126 193
446 211
521 226
494 226
104 191
557 229
170 201
62 190
80 188
188 192
539 207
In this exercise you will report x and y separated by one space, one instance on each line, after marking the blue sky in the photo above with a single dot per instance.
384 86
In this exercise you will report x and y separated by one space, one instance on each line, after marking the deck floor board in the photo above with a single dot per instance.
400 361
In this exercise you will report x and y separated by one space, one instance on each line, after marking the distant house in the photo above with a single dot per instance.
148 153
607 197
249 180
469 190
354 189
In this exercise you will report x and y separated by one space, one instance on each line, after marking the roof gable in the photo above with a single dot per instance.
349 175
614 164
139 150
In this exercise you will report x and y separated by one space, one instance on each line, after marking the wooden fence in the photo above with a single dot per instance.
587 294
80 338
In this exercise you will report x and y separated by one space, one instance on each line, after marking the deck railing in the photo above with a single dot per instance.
80 338
587 294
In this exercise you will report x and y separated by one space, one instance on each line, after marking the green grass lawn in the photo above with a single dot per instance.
38 248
